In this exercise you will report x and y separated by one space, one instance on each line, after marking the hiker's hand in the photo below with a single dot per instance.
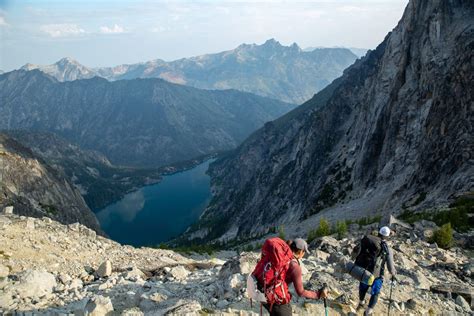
323 293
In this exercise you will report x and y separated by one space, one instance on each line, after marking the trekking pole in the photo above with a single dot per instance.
324 300
390 298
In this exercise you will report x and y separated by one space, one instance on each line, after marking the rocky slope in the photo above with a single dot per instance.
44 270
272 70
34 188
141 122
395 131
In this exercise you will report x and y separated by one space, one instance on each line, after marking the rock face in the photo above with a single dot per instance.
272 70
51 273
141 122
393 131
33 188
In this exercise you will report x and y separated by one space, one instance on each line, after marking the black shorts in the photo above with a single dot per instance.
279 310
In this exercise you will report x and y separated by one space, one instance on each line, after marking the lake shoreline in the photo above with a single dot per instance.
159 212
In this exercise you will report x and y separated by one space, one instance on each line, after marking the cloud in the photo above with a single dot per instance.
116 29
3 22
351 9
62 30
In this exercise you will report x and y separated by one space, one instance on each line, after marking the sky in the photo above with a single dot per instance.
113 32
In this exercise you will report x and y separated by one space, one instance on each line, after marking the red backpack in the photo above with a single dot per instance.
271 269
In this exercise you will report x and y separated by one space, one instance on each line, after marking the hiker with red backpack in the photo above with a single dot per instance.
373 254
277 268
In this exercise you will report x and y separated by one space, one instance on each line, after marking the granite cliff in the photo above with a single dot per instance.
394 132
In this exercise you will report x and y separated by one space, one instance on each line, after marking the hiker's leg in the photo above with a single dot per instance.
376 288
362 291
279 310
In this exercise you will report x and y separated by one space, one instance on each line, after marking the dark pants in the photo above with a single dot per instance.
279 310
376 288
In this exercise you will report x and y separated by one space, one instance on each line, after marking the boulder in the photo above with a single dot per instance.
30 223
33 283
327 244
321 255
134 274
76 284
98 306
8 210
461 301
179 273
104 270
454 290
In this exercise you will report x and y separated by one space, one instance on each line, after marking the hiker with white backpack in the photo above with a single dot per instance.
278 268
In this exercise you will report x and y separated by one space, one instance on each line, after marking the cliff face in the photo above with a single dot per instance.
395 130
35 189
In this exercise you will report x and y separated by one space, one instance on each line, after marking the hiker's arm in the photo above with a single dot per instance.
355 251
297 279
390 263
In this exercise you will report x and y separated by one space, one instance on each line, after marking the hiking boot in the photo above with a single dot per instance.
369 311
361 306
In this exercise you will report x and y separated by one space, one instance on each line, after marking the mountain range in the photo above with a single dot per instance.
272 70
393 133
359 52
139 122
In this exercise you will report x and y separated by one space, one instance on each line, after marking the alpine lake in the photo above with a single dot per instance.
157 213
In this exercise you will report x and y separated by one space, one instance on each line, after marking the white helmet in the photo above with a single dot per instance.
384 231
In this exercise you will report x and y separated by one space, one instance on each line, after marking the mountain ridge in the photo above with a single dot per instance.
272 70
140 122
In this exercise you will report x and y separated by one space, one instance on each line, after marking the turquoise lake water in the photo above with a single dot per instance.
158 212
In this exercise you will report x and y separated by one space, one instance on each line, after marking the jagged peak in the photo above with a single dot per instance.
68 61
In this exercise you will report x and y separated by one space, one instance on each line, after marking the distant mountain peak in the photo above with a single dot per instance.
68 60
272 43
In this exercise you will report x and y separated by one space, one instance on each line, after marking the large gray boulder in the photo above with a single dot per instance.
99 306
34 283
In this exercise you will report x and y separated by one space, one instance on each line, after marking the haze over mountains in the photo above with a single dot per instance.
140 122
281 72
394 132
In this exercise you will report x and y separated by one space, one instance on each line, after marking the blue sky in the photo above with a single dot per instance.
108 33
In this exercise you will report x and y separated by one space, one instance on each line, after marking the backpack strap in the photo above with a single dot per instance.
383 253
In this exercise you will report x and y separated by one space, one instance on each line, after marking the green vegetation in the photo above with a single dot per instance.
443 236
341 229
324 229
420 198
281 232
50 209
457 215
